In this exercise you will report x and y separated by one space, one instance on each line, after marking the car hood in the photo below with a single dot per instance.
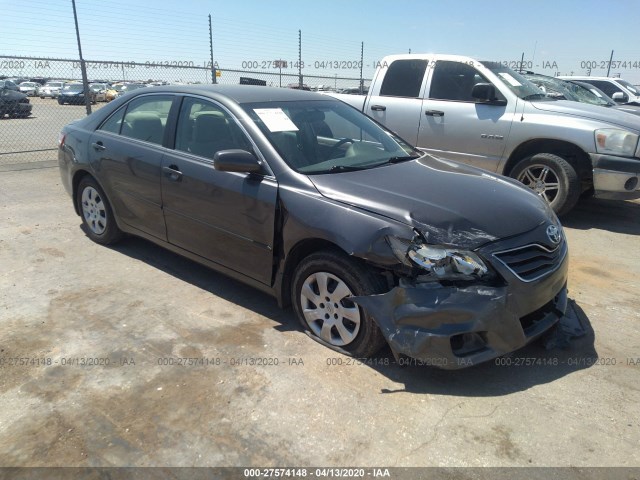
591 112
450 203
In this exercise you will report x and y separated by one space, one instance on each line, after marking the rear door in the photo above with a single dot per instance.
127 150
396 102
456 126
225 217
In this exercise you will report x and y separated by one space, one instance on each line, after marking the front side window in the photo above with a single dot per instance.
146 118
403 79
205 128
454 81
322 136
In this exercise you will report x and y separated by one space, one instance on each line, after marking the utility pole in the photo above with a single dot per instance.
83 67
610 60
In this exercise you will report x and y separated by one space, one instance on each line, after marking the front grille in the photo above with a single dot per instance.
532 262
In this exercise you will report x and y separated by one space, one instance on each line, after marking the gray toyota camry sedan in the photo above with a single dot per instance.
368 239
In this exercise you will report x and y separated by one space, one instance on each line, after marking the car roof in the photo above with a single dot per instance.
244 93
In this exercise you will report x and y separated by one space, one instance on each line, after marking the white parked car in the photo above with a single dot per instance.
51 89
32 89
620 90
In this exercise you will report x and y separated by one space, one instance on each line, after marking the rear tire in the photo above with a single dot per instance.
97 215
321 287
551 177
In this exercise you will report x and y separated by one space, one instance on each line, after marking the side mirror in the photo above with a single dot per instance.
619 97
486 93
236 161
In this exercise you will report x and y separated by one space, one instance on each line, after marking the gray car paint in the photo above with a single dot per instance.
448 203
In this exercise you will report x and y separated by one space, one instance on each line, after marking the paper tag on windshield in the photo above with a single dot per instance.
510 79
595 92
275 120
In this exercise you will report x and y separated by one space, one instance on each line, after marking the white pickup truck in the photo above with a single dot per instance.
487 115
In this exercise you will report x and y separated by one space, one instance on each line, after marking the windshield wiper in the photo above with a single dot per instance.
344 168
402 159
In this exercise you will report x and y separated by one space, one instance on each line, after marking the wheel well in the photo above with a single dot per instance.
77 177
573 154
301 250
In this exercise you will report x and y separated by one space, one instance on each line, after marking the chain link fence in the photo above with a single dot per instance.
33 137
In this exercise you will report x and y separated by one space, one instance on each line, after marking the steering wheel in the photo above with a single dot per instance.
335 147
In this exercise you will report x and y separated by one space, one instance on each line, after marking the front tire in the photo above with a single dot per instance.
97 215
551 177
321 287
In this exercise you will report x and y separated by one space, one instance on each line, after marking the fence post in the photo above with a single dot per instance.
300 82
213 67
361 64
83 67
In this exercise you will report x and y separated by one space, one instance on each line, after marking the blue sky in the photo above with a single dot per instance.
555 36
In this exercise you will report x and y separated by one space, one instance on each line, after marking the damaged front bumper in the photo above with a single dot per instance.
452 327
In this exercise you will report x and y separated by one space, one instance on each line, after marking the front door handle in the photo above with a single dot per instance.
434 113
173 173
378 108
98 146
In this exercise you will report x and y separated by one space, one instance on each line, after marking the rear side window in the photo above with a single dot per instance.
146 118
403 79
114 122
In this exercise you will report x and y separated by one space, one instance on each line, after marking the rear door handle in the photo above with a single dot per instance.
98 146
173 173
378 108
434 113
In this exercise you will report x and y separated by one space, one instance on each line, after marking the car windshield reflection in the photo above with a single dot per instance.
317 137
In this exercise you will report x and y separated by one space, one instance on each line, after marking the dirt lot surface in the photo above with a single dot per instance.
133 356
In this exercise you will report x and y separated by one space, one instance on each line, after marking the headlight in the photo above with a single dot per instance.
616 142
441 263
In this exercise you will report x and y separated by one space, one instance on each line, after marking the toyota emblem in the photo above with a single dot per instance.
553 233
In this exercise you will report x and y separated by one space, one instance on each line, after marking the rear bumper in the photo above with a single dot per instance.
616 178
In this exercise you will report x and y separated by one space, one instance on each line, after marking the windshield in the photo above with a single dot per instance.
515 82
54 84
327 136
553 87
589 95
628 86
74 88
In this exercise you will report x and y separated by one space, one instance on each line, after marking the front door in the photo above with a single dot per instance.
225 217
458 127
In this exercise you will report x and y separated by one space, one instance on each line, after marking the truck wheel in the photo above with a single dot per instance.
551 177
321 287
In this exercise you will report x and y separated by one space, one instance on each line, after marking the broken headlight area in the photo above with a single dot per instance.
436 263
